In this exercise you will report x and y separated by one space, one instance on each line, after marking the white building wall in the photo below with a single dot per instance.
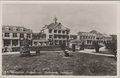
47 33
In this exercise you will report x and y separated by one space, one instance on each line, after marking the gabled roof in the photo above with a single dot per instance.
95 32
55 26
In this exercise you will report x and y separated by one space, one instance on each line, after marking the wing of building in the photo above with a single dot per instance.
12 35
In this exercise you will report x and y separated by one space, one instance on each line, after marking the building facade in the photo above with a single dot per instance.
39 39
89 37
53 34
12 36
56 33
101 37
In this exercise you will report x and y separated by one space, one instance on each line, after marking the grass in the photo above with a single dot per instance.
78 64
107 52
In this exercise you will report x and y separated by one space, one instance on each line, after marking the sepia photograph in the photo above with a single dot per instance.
59 39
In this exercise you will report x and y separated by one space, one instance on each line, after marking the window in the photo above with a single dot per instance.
35 43
28 36
21 29
89 37
59 31
63 32
6 28
14 42
50 36
59 37
80 37
83 37
63 37
50 30
24 30
14 34
21 35
17 29
14 29
55 36
7 34
55 31
10 28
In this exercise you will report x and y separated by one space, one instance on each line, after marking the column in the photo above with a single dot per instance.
25 35
37 43
18 43
10 46
3 43
11 43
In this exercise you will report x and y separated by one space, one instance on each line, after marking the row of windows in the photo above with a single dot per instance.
56 36
89 42
87 37
15 35
14 29
73 37
87 34
56 31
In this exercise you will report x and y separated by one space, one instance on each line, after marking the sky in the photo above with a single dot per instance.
77 17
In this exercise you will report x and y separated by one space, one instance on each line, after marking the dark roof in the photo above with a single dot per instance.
54 26
25 30
95 32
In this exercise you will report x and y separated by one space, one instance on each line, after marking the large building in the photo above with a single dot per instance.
56 33
53 34
101 37
12 35
89 37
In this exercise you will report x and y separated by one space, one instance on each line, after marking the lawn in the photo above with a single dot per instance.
54 63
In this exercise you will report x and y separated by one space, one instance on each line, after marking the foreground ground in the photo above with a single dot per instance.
55 63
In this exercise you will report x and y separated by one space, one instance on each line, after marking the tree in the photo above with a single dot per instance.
114 48
25 47
112 45
96 46
82 46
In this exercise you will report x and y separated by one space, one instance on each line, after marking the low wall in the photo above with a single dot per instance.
36 48
46 48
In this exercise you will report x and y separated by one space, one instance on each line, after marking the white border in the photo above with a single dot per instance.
62 2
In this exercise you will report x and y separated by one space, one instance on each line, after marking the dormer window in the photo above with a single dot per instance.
6 28
14 29
9 28
17 29
21 29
